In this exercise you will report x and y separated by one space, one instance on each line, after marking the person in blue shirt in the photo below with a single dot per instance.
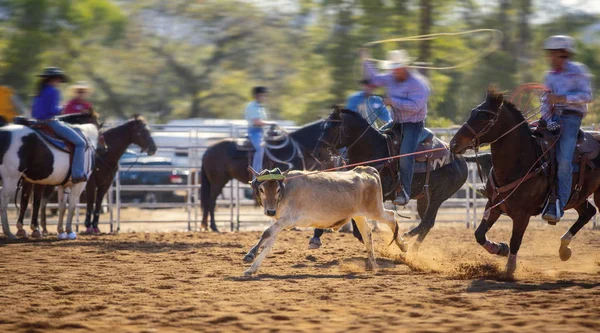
46 106
569 91
369 106
256 115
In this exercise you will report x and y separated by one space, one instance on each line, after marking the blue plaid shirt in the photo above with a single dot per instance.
573 82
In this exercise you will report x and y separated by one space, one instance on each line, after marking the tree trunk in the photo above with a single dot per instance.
505 24
425 23
524 44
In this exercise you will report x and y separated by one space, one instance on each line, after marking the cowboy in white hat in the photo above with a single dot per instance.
408 92
569 91
79 103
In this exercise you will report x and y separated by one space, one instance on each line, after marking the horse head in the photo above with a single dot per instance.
482 127
340 129
140 134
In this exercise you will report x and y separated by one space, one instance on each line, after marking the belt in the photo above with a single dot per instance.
572 113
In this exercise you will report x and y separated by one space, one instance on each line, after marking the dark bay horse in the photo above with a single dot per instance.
515 155
345 128
135 131
222 162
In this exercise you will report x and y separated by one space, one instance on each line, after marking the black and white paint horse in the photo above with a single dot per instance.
24 153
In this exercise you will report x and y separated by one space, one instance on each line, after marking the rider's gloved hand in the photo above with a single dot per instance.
553 126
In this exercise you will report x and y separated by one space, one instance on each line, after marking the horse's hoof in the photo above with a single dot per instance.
564 251
63 236
249 273
45 233
72 235
414 249
503 249
511 265
36 234
213 228
314 243
22 233
88 231
249 258
96 231
11 236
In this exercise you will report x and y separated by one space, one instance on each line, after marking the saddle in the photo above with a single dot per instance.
273 137
47 134
427 141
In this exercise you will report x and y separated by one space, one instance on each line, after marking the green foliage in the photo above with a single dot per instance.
188 58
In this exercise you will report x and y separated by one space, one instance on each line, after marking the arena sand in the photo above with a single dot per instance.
182 282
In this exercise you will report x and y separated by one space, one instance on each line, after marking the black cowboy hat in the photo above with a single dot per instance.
52 72
259 90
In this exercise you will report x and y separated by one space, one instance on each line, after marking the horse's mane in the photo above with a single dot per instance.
356 115
494 93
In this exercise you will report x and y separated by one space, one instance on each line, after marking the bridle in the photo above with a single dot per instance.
475 142
330 145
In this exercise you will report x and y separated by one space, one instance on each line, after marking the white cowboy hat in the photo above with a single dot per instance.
560 42
81 85
397 59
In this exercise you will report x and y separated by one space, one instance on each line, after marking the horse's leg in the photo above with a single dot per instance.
9 186
586 212
215 190
25 194
73 201
62 197
365 231
428 216
46 192
90 198
99 196
268 239
500 249
38 191
315 241
520 224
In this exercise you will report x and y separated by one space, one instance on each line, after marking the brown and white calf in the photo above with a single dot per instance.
325 200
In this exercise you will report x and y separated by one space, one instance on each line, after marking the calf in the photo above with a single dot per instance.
325 200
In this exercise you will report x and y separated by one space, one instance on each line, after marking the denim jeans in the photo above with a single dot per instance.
64 131
255 134
411 133
566 145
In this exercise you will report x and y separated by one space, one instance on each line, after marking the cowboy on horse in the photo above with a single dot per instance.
46 106
408 92
565 105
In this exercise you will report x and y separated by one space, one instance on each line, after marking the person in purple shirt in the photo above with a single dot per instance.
46 106
565 105
408 92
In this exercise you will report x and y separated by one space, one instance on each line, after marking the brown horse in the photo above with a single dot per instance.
222 162
515 159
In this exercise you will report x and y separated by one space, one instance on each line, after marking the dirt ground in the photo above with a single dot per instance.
181 282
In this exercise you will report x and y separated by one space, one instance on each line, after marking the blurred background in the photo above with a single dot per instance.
173 59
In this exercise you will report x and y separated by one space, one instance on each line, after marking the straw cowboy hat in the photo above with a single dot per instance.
81 85
397 59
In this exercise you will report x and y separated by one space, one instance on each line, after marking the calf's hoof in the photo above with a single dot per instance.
402 244
249 257
314 243
36 234
22 233
371 265
63 236
72 235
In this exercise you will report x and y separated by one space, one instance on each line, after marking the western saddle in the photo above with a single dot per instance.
47 134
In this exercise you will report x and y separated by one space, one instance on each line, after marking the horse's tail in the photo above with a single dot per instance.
204 191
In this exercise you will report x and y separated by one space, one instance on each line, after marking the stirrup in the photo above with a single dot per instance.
402 198
552 219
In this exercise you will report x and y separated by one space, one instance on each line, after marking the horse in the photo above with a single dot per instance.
223 162
345 128
515 155
25 154
135 131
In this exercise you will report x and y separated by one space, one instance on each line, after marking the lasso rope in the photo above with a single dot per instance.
494 45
